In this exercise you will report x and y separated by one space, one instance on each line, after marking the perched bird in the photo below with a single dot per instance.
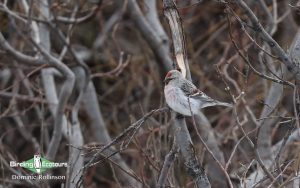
177 91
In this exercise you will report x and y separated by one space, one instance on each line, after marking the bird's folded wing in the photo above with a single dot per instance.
202 96
189 88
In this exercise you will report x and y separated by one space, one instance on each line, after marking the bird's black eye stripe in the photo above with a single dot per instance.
167 80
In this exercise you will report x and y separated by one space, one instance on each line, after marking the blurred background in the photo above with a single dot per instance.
118 78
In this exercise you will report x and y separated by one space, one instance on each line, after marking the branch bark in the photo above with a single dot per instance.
169 160
171 12
182 135
184 141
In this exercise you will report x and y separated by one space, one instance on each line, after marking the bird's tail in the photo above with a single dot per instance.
213 102
224 104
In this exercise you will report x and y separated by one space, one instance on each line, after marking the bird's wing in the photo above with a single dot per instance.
191 91
199 95
189 88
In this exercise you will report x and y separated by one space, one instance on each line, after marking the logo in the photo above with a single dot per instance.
37 164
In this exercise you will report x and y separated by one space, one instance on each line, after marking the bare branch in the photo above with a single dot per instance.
159 46
171 12
293 67
169 160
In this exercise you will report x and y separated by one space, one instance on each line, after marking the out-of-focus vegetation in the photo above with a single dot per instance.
128 83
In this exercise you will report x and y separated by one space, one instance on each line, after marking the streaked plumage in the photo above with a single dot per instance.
178 89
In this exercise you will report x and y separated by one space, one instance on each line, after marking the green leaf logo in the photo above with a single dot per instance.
38 164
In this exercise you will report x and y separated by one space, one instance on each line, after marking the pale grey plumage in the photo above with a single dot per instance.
178 90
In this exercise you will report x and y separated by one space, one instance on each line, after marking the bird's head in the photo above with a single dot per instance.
172 75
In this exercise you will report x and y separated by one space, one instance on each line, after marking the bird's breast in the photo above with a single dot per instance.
178 102
170 93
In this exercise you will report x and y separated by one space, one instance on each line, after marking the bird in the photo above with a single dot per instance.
183 97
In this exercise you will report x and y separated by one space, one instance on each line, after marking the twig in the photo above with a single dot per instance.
207 148
250 65
169 160
253 147
116 71
127 133
279 52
